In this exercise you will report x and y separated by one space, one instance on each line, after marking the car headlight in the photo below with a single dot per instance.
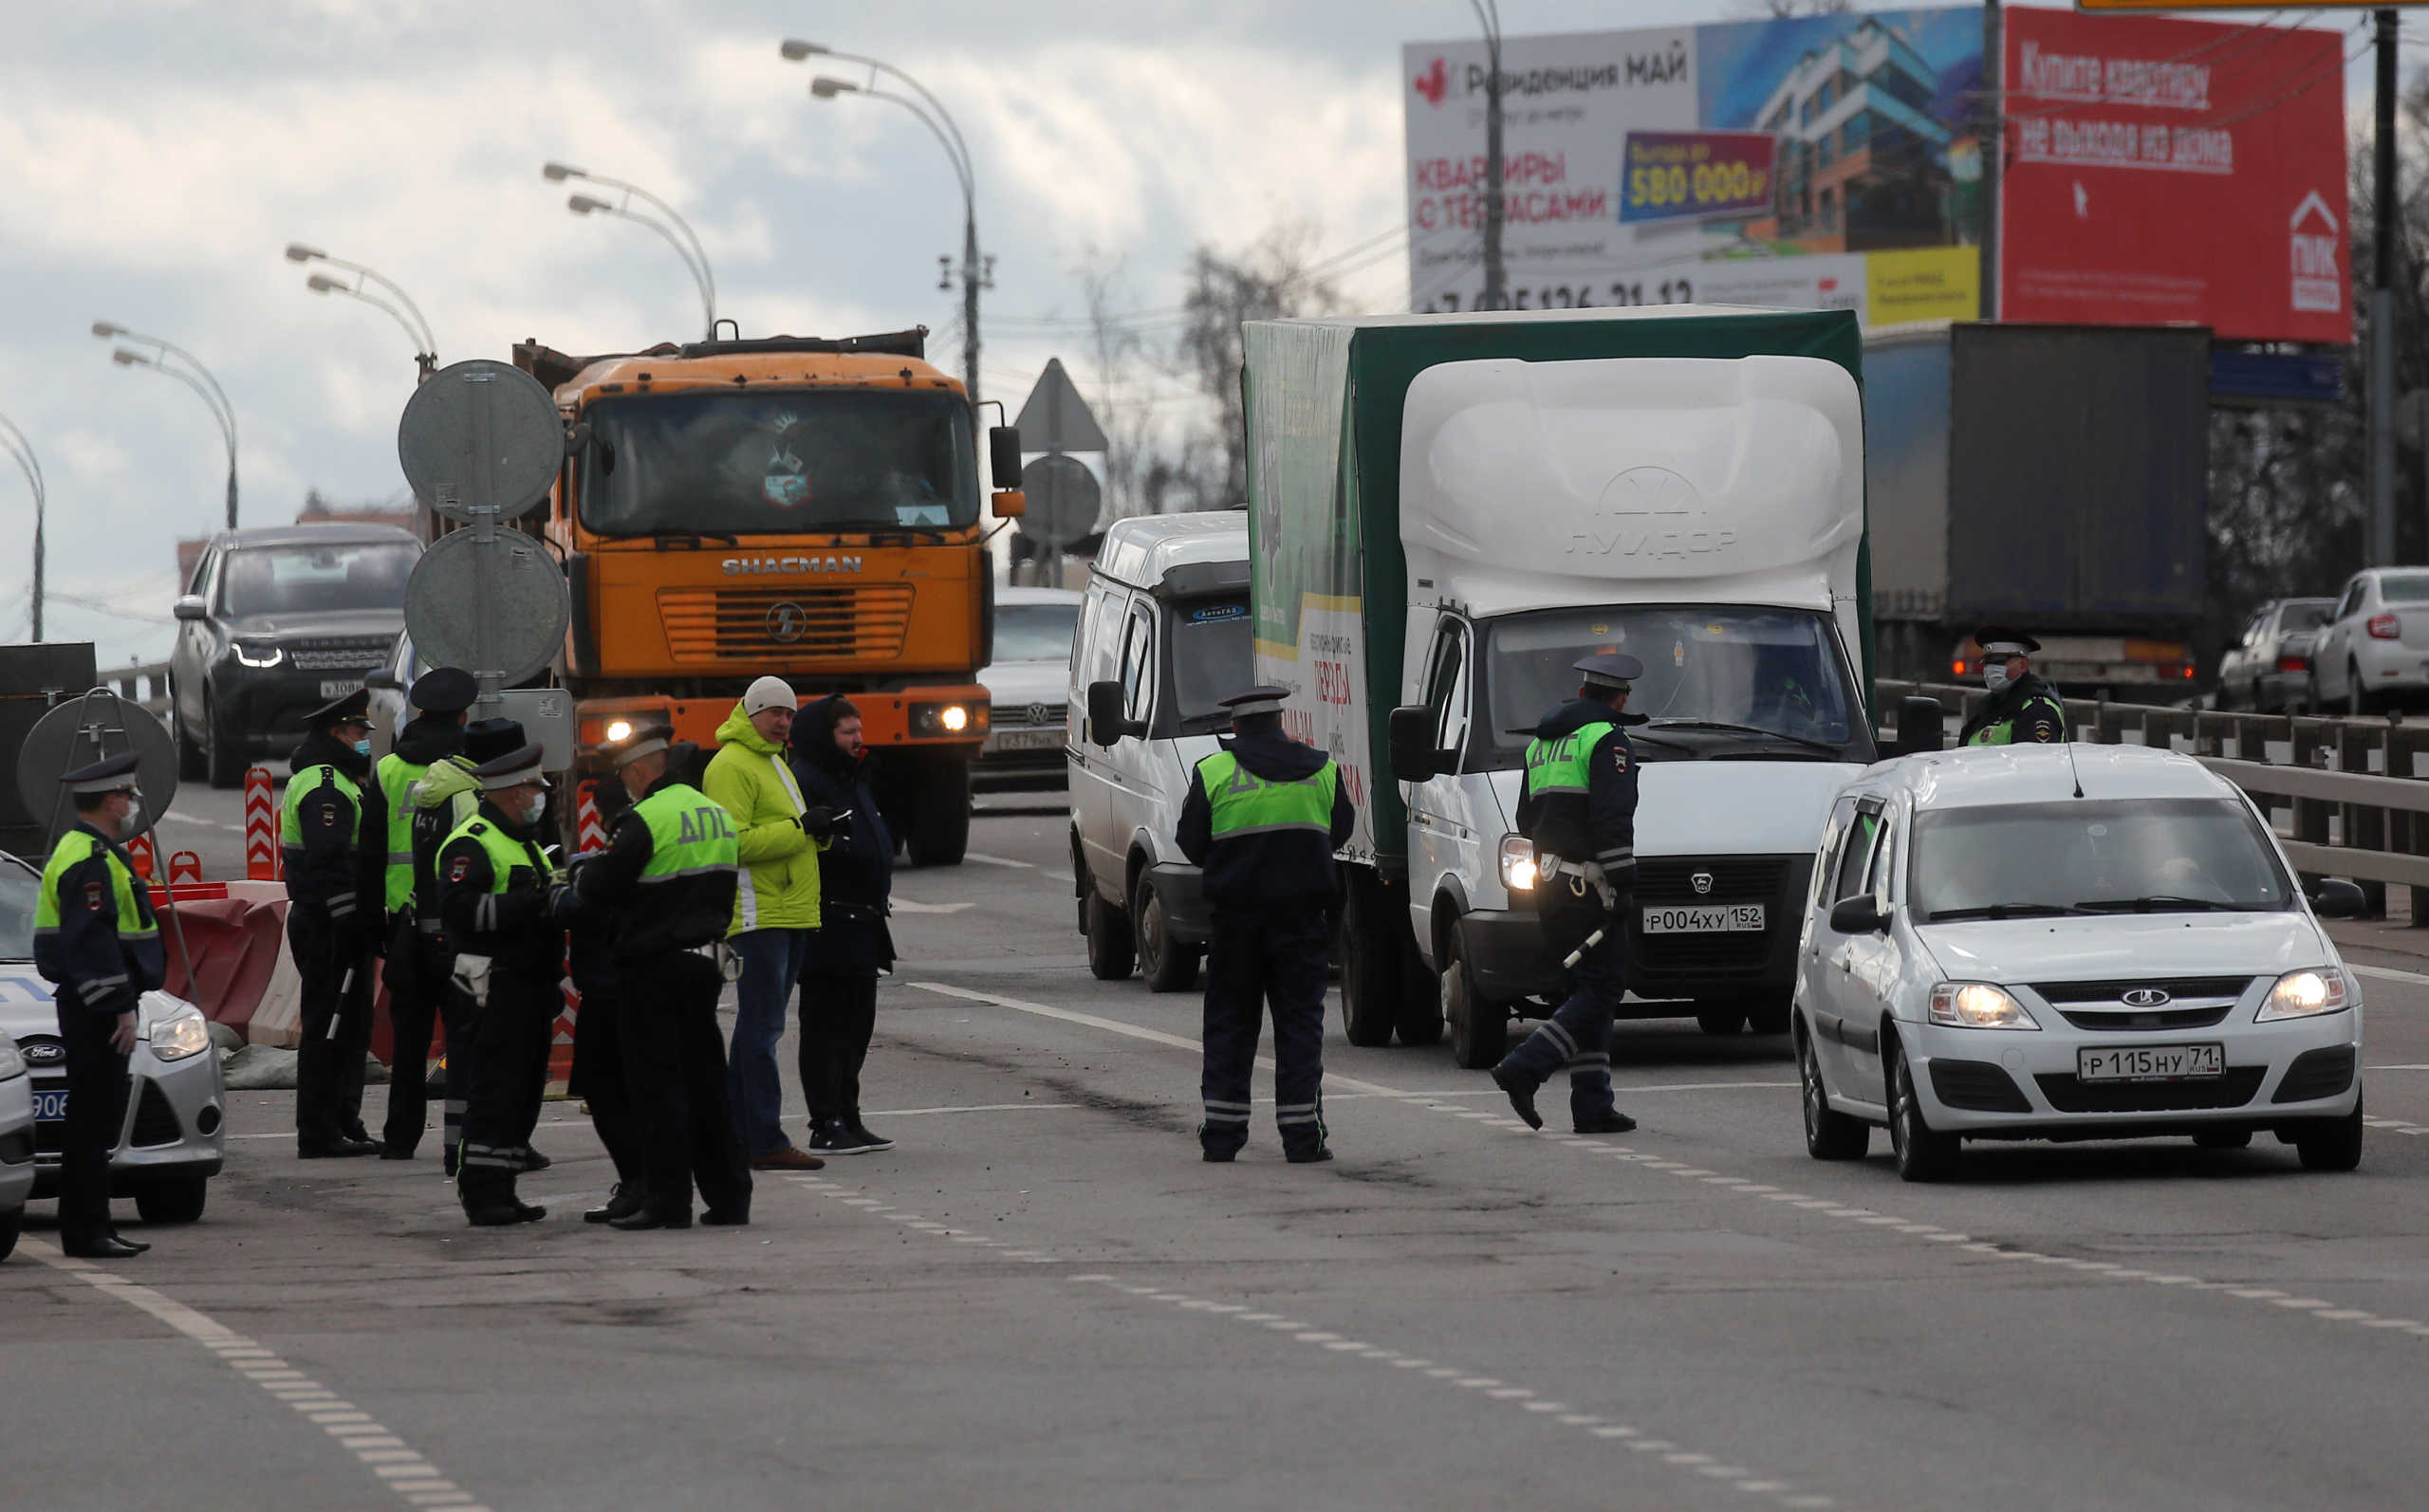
13 1061
181 1034
2306 995
257 655
1519 863
1977 1005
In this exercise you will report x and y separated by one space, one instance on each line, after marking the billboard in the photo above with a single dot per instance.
2167 172
1819 161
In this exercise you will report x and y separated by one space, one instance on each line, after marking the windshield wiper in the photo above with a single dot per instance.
2002 910
1810 743
2152 903
695 539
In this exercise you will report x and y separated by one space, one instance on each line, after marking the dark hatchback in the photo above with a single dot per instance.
273 624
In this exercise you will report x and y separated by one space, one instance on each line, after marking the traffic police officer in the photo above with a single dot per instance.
598 1074
504 910
96 939
417 969
335 840
1579 810
1263 817
2021 709
670 874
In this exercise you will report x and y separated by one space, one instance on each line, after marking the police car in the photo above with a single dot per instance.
16 1143
173 1135
2069 942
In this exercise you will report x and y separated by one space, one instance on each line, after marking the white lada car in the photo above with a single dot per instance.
2069 942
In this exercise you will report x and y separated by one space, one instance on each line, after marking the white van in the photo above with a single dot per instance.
1164 634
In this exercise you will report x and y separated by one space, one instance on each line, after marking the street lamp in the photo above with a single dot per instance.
416 329
198 379
687 244
23 450
975 273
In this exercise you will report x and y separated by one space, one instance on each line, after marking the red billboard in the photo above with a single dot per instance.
2174 171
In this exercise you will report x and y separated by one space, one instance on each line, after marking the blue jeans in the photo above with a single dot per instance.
771 962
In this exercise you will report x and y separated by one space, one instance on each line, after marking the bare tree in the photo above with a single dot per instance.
1272 279
1125 403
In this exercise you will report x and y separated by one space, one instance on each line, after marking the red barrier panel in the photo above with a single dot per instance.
261 828
138 850
184 867
589 834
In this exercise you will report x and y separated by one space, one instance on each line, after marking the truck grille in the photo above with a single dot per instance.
1734 879
705 625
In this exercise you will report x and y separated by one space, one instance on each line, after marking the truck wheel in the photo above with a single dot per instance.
1111 950
1479 1030
171 1201
226 755
1167 965
940 815
1369 970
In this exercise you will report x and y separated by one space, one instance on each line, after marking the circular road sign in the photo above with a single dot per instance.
480 432
528 605
81 732
1063 500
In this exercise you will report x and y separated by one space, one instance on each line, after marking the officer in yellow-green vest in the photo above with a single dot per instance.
96 942
1579 811
418 965
1263 818
2021 709
670 875
333 835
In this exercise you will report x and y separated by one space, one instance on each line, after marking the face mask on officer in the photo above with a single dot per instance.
134 814
1994 674
362 747
533 808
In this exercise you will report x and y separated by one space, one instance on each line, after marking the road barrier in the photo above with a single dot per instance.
261 828
589 834
139 851
184 867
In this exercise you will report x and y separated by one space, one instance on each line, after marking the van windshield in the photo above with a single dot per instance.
1211 656
1722 681
2090 855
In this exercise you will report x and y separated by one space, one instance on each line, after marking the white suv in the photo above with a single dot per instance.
2375 646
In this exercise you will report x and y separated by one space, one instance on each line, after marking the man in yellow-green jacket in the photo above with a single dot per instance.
775 910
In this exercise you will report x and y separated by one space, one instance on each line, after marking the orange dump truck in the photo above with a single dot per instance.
803 507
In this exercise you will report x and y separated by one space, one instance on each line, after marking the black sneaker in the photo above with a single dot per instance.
868 1141
835 1138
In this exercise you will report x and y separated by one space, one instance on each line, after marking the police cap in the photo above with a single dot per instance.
1610 670
485 740
111 774
1998 640
1251 701
647 740
445 691
515 768
350 708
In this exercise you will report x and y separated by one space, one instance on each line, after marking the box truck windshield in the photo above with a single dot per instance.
780 463
1728 674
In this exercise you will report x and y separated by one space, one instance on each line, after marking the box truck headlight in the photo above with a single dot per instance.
1519 863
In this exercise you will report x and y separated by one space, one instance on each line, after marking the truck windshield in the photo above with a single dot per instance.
779 462
306 580
1211 657
1720 680
2091 855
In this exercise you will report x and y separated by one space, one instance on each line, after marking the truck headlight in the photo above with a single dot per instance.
1519 863
13 1062
2304 995
947 719
1977 1005
255 655
182 1034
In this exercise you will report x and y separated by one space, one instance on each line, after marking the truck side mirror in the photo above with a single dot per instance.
1921 725
1003 456
191 607
1106 722
1411 741
1860 914
1011 503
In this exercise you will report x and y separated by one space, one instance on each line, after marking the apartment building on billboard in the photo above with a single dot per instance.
1863 162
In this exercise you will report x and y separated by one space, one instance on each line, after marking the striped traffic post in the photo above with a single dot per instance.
589 835
139 851
184 866
261 828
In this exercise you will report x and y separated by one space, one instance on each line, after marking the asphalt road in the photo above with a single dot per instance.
1041 1298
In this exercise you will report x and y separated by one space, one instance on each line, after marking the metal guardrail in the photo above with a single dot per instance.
144 682
2348 797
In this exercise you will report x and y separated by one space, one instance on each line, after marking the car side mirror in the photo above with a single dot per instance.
1921 725
1106 722
1003 456
2339 899
191 607
384 678
1411 742
1860 914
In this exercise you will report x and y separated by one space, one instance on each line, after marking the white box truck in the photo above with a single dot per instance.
1446 511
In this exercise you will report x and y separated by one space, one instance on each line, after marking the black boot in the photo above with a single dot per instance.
1612 1122
1520 1092
622 1202
646 1218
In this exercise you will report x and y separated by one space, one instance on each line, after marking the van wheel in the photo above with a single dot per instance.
1828 1133
1369 970
1167 965
2332 1144
1480 1029
1080 885
1924 1152
1419 1020
1111 950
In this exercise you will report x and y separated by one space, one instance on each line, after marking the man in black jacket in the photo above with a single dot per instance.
1261 818
416 969
333 833
598 1076
1579 809
851 945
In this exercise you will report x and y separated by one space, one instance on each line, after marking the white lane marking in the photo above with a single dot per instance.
2413 1067
905 904
203 823
400 1469
998 860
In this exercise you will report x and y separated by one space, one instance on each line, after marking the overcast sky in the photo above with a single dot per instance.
155 157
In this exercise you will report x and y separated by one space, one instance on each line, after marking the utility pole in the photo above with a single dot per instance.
1994 147
2384 215
971 276
1496 277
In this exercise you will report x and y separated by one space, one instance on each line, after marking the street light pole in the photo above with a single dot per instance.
1496 277
2382 349
976 272
687 244
416 329
198 379
23 450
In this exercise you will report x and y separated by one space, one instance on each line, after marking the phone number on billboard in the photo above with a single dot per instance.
1569 297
